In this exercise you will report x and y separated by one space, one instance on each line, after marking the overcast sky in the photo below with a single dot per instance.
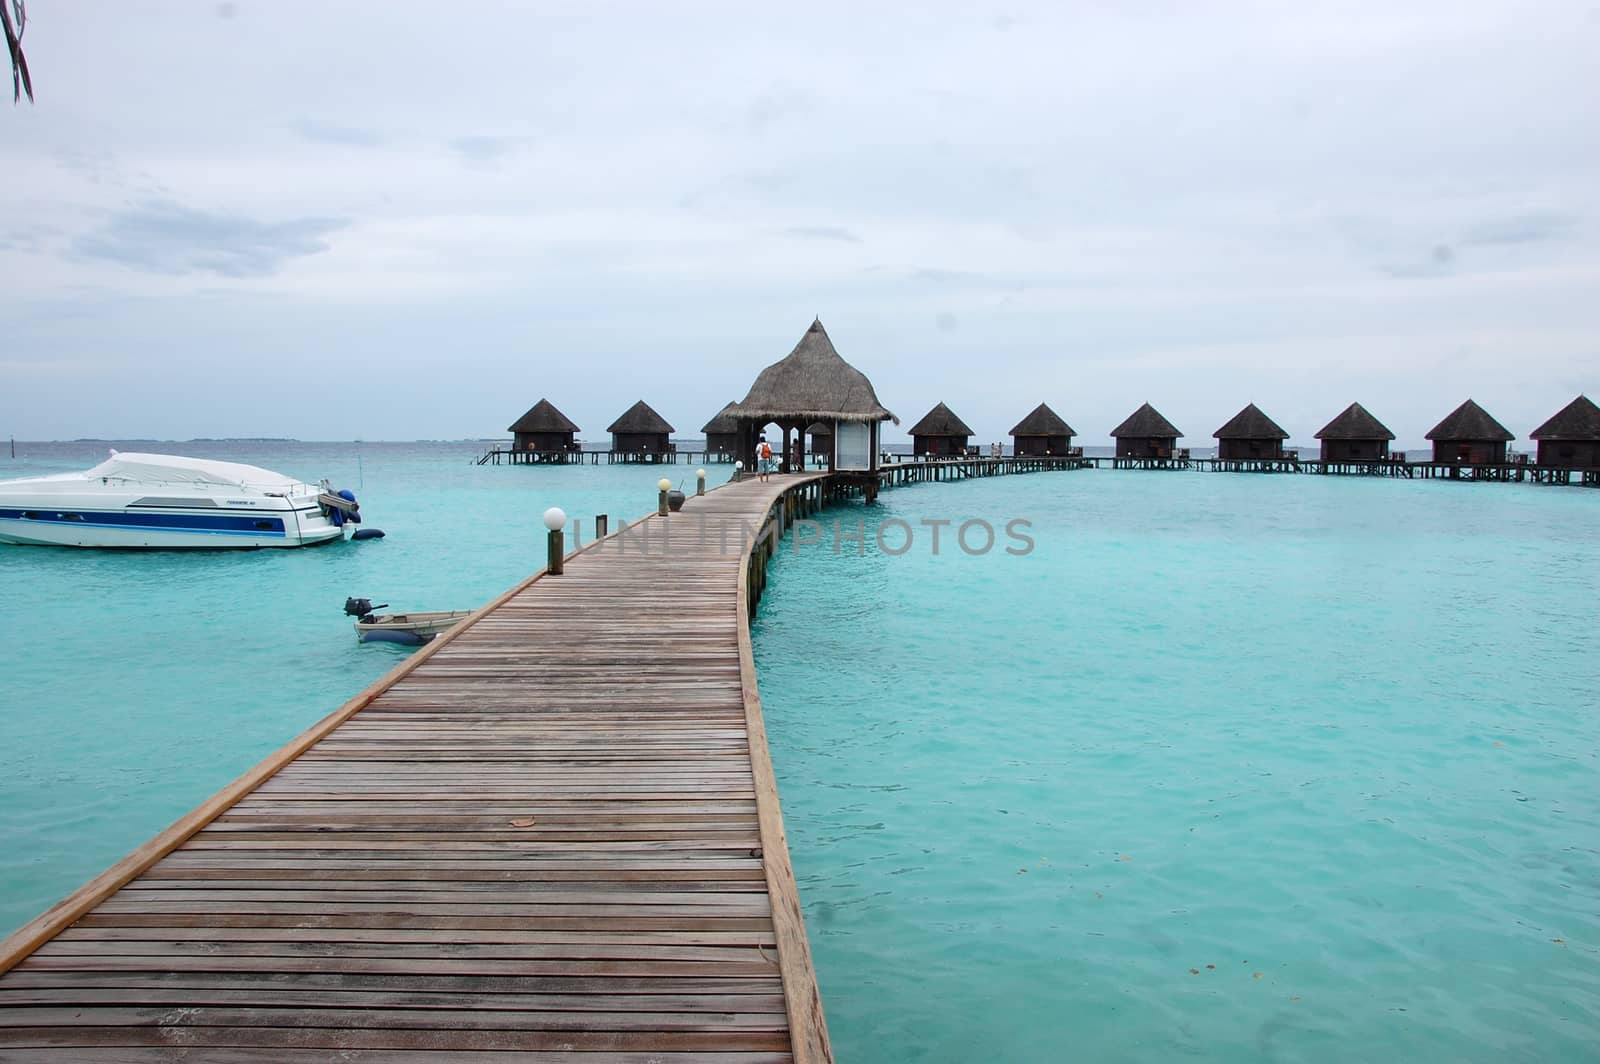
407 220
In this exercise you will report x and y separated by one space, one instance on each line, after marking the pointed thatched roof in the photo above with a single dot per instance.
1355 424
1146 422
1251 424
1578 420
640 418
543 417
1469 421
726 421
813 382
1042 422
940 421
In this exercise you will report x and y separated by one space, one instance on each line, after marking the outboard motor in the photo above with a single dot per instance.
361 608
339 506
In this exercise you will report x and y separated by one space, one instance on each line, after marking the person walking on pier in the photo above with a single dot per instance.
764 459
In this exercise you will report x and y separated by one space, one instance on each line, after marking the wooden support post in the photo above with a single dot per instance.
600 522
558 552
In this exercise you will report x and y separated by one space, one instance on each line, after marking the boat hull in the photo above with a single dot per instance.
120 529
408 629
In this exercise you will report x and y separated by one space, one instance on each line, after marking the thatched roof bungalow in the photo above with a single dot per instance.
543 428
1146 434
813 383
1355 436
640 430
940 433
1469 436
722 432
1571 438
1041 433
1250 434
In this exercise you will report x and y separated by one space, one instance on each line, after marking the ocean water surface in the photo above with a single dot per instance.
137 684
1228 767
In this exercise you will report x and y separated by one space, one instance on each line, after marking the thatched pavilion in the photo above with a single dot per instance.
1469 436
722 434
544 429
813 384
1355 436
1146 434
1041 433
1250 434
641 432
1571 439
940 433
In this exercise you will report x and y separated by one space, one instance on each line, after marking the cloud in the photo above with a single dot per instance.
1528 227
773 106
823 232
329 133
26 237
163 237
486 151
942 276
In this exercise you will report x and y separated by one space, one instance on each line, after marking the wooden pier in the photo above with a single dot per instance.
938 470
553 831
497 454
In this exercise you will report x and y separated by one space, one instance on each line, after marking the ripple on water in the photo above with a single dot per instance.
1230 768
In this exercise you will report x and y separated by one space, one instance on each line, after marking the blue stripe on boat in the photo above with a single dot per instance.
209 524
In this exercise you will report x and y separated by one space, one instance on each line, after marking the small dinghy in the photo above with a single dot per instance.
410 629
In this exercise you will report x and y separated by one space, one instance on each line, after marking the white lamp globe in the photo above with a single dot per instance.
699 472
738 466
664 484
555 518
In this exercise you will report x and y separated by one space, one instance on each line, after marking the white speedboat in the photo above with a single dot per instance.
166 502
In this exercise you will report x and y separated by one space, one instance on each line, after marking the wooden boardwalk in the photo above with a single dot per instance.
553 831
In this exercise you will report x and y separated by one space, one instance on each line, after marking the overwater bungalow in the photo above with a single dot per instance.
814 384
1041 433
722 434
940 433
545 431
641 433
1146 434
1355 436
1571 439
1469 436
1250 434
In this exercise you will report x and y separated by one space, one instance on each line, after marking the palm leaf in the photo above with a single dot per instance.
20 81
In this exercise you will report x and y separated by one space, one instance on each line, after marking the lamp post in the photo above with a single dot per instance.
661 504
699 481
555 519
738 472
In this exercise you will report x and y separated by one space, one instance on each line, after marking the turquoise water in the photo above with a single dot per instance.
138 684
1233 768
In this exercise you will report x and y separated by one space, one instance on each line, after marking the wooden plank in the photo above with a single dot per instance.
214 1054
196 1038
